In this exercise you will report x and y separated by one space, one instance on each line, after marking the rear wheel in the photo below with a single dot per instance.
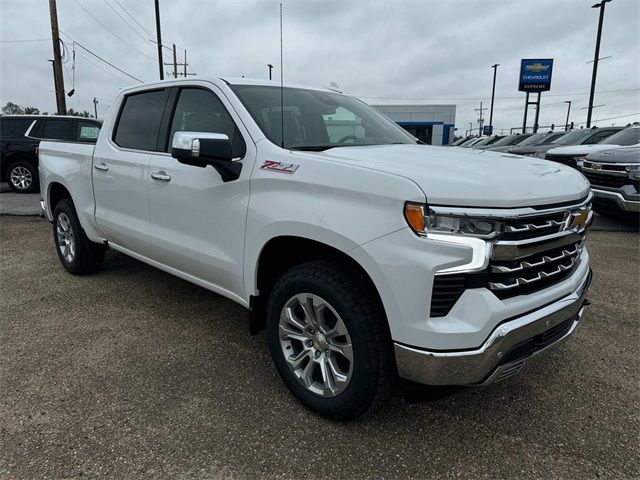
22 177
329 340
78 254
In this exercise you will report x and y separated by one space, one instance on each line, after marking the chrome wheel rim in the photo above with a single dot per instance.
21 177
66 239
316 345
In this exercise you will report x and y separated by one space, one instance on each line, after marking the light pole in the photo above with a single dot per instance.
270 68
566 124
595 59
493 93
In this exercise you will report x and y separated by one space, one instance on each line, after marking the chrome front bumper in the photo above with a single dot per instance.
485 364
622 203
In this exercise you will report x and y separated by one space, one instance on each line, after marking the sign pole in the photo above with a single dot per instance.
535 123
526 107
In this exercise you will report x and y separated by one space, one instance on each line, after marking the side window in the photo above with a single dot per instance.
598 137
87 131
51 129
139 122
200 110
13 127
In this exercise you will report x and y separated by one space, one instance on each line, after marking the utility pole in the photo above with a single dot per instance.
185 63
58 80
175 62
566 124
493 93
480 121
270 68
595 59
159 40
95 107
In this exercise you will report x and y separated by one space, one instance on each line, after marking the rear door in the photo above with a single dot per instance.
197 221
120 170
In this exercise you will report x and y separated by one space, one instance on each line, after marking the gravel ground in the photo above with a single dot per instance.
132 373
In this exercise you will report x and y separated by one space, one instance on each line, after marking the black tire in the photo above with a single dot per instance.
88 256
19 180
373 369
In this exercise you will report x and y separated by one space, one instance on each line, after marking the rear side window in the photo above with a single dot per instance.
13 127
139 122
53 129
598 137
87 131
200 110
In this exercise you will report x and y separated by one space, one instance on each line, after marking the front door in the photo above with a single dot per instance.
120 171
197 221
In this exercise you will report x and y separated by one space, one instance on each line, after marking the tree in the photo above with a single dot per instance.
84 114
31 111
12 109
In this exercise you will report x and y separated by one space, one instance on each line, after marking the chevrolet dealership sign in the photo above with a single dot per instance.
535 75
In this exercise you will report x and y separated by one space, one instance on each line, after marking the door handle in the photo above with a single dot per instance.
101 166
161 175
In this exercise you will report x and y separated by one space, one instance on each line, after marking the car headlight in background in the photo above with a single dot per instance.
580 161
634 171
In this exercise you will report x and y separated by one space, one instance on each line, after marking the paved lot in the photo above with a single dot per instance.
132 373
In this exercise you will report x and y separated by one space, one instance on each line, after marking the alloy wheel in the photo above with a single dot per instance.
66 239
21 177
316 345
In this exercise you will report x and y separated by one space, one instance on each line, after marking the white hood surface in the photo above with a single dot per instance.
463 177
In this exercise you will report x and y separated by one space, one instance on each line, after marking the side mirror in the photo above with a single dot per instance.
202 148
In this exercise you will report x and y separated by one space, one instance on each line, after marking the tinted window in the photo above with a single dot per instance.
572 138
630 136
139 123
552 138
511 140
201 110
599 136
51 129
87 131
13 127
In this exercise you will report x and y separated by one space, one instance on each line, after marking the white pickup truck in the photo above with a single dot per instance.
366 255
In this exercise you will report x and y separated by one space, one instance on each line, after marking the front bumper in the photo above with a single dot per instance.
624 204
503 353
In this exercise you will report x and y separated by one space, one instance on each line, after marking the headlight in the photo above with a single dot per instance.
634 171
580 161
424 221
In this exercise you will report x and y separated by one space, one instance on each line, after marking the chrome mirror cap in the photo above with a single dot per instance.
191 140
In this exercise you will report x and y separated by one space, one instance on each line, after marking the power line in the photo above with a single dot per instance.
109 30
88 59
133 18
125 21
27 40
100 58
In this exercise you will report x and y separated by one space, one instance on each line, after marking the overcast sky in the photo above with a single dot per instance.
381 51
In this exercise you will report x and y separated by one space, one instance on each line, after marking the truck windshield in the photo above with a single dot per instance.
317 120
630 136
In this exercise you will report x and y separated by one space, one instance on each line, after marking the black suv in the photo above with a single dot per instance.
20 136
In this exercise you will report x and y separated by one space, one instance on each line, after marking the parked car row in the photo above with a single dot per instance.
608 157
20 136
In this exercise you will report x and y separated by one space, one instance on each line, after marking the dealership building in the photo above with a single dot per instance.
432 124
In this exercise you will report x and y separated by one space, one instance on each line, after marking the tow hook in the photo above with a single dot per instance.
586 302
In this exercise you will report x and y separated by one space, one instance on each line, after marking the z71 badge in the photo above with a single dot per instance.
280 167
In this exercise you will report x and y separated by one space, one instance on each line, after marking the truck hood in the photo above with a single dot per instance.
618 155
464 177
581 150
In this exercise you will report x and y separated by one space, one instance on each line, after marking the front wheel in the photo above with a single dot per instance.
78 254
329 340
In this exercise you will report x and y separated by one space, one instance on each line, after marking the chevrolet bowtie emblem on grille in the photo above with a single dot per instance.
596 166
577 219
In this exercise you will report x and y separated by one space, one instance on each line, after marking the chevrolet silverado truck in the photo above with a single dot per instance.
615 180
366 255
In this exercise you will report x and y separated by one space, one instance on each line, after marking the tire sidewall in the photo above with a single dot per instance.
64 207
365 366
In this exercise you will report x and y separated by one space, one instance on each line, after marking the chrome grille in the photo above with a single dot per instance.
604 180
537 251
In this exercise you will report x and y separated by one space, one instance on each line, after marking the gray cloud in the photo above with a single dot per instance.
382 51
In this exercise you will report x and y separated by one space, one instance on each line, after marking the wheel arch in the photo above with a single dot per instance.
57 191
282 253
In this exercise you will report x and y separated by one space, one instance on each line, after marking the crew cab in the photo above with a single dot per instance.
366 255
19 139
